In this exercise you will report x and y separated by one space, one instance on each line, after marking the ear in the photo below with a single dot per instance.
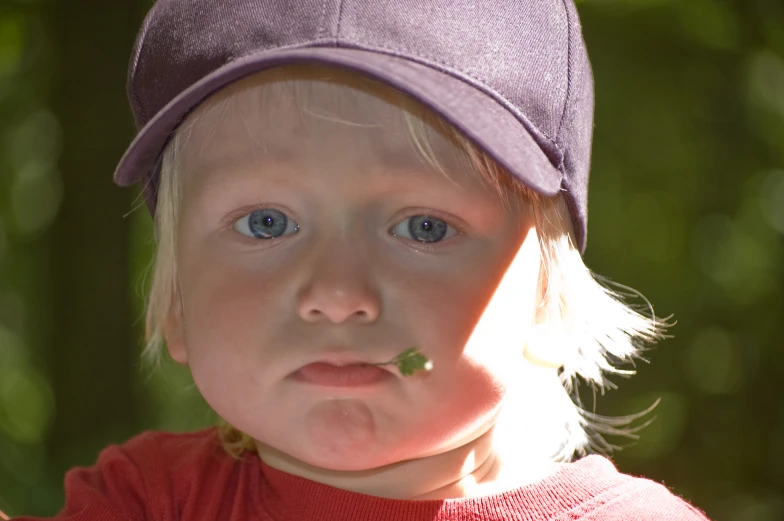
546 341
545 346
541 293
175 331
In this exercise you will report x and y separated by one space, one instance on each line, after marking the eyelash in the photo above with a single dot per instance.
232 219
435 246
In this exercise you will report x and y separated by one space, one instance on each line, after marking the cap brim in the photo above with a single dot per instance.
506 137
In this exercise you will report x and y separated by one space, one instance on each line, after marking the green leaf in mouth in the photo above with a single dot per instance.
410 361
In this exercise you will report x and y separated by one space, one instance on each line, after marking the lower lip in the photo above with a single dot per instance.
353 375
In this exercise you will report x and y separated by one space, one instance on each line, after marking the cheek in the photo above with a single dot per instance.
232 314
441 312
229 311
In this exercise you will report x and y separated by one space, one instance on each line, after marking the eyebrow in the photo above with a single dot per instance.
395 176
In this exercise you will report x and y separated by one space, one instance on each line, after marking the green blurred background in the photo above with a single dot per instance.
687 206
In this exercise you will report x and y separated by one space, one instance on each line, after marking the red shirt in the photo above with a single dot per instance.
165 477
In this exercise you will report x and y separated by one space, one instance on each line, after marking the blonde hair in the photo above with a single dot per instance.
601 331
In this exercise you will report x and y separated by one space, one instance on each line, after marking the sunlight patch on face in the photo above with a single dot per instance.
498 337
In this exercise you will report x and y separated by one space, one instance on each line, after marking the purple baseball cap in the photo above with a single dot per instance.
512 75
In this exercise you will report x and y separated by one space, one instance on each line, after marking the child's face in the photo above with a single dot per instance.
255 310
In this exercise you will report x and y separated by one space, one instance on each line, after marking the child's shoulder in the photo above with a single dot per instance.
150 476
177 458
620 497
169 444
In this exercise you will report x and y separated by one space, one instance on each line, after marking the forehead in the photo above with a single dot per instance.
291 115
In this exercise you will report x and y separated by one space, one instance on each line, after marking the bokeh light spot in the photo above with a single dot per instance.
35 199
26 405
3 240
711 23
37 138
11 34
27 463
34 147
13 315
767 80
657 227
664 432
733 258
714 363
772 199
747 507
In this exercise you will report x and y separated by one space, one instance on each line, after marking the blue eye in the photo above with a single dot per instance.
266 223
423 228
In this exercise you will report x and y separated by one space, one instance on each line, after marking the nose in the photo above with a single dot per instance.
339 288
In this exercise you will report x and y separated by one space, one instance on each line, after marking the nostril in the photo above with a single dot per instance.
314 307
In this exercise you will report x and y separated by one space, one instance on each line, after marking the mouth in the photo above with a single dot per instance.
352 374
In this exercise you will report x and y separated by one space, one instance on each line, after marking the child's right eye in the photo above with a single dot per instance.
266 223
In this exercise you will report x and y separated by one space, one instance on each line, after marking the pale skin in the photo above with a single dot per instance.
346 279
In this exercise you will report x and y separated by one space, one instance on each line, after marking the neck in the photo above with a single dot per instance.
473 469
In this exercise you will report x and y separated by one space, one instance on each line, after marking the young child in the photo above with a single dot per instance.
334 182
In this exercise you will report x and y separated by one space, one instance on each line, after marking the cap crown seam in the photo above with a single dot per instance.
340 19
569 68
323 22
141 40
